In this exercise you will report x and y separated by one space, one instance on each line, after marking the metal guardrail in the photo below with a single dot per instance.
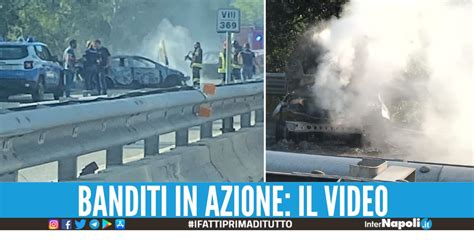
276 84
64 132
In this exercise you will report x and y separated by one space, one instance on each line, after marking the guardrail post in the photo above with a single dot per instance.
206 130
182 137
114 156
152 145
259 115
245 120
67 168
228 125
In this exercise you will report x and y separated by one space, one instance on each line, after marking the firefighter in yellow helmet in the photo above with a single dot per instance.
222 63
196 63
236 66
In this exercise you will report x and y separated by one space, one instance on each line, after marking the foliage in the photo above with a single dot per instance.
286 21
120 24
251 11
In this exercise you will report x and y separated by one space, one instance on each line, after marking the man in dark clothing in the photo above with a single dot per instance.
103 66
236 66
196 63
69 58
247 59
91 59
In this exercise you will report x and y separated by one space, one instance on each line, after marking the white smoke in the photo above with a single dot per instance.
178 42
414 55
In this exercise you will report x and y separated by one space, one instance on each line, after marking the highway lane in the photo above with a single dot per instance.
25 99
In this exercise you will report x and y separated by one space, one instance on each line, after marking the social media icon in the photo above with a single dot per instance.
53 224
66 224
94 224
80 224
426 224
106 224
119 224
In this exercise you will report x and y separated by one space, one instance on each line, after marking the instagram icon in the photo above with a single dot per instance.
53 224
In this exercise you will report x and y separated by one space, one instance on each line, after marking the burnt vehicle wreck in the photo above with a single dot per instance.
128 71
298 118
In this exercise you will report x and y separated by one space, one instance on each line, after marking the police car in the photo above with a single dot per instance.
27 67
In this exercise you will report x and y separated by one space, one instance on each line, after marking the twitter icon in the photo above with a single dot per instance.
80 224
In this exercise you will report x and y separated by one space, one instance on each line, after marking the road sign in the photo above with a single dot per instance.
228 20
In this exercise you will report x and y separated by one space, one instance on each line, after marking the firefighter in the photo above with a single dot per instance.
236 66
196 64
222 63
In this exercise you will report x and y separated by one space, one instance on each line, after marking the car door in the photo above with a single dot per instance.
121 72
145 72
50 68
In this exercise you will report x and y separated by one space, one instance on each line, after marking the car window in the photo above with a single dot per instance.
142 63
13 52
116 62
42 52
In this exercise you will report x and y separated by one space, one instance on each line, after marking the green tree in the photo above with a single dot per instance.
288 20
251 11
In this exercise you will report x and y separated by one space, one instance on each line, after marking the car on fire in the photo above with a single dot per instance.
130 71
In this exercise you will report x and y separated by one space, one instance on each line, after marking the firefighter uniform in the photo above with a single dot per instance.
236 66
222 64
196 64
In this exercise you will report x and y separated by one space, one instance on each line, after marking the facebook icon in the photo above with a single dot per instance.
66 224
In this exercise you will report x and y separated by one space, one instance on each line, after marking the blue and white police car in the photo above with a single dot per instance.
27 67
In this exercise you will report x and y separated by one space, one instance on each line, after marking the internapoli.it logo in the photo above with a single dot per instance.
426 224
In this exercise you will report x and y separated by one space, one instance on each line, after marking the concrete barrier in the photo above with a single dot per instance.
231 157
335 165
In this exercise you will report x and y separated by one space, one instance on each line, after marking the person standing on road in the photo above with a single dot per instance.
69 58
196 64
236 66
91 59
103 66
222 63
248 62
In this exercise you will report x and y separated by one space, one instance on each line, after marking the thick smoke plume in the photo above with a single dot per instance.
177 40
415 58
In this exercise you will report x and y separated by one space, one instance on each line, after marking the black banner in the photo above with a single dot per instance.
104 224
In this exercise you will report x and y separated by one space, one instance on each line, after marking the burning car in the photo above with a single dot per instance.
129 71
299 118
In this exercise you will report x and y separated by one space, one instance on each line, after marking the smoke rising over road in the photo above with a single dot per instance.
140 27
413 56
177 40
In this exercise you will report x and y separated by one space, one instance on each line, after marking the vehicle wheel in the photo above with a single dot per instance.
171 81
59 91
38 93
